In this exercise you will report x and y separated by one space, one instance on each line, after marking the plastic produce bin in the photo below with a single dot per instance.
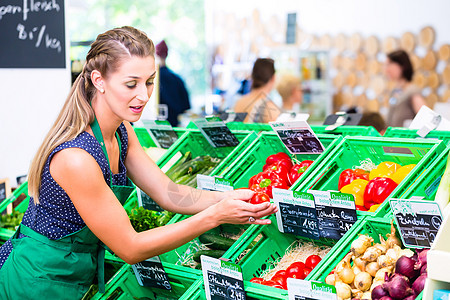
401 132
145 138
353 150
257 127
251 162
347 130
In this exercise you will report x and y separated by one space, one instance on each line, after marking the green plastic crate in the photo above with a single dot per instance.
22 189
269 245
372 226
253 291
251 162
145 138
124 285
401 132
257 127
194 141
352 150
347 130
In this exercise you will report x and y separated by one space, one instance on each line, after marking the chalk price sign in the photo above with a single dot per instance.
161 132
298 137
216 132
32 34
418 221
151 273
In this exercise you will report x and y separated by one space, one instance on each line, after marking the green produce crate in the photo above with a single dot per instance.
145 138
352 150
269 245
20 192
124 285
194 141
257 127
372 226
401 132
347 130
251 162
253 291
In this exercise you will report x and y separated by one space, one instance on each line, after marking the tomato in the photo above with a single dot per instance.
257 280
295 270
281 272
306 272
272 284
280 279
259 197
312 261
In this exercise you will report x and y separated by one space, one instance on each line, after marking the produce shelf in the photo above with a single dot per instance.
251 162
145 138
443 135
353 150
347 130
257 127
124 285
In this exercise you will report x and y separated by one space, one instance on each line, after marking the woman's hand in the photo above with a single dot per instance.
236 209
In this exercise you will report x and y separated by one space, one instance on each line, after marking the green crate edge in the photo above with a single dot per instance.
443 135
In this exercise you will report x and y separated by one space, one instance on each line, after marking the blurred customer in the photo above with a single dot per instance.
257 104
290 90
405 99
373 119
172 90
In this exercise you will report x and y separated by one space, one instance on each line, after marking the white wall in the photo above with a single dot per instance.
367 17
30 100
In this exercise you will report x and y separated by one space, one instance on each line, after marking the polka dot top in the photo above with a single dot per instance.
56 216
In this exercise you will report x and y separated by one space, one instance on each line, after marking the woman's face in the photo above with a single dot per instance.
128 90
392 70
298 94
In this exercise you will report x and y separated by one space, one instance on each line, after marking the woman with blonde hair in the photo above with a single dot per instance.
290 89
80 178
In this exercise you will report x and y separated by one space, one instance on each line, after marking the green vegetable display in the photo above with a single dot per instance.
143 219
186 169
11 221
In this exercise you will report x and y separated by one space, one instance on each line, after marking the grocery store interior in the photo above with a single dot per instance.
336 112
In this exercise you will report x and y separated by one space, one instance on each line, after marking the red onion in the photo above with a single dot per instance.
386 298
419 284
405 266
421 258
378 293
398 287
424 269
411 297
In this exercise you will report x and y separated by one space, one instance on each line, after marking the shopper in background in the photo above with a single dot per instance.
78 182
257 104
373 119
406 99
172 90
290 89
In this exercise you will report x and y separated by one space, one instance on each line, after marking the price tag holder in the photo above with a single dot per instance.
213 183
336 213
216 132
151 273
418 221
296 213
5 189
306 290
233 116
298 137
161 132
146 202
223 280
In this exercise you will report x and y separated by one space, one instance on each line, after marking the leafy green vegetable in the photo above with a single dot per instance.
143 219
11 221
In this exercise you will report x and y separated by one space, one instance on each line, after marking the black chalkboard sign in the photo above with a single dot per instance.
151 273
223 287
161 132
146 202
418 221
299 220
232 116
32 34
336 213
216 132
298 137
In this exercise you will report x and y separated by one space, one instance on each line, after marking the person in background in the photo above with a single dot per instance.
373 119
257 104
406 99
82 174
290 90
172 90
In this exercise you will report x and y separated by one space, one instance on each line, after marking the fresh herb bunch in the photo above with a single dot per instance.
143 219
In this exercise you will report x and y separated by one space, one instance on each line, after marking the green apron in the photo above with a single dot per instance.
65 268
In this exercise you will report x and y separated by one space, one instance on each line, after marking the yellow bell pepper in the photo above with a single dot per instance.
384 169
401 173
356 188
373 208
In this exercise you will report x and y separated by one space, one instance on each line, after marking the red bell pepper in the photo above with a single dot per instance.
271 159
297 170
377 190
266 185
279 169
348 175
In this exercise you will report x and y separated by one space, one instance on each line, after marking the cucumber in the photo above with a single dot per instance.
183 179
191 166
216 242
186 157
211 253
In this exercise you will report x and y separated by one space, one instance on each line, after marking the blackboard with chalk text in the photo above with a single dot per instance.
32 34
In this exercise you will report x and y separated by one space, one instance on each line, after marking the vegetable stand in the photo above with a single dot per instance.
347 130
353 151
401 132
